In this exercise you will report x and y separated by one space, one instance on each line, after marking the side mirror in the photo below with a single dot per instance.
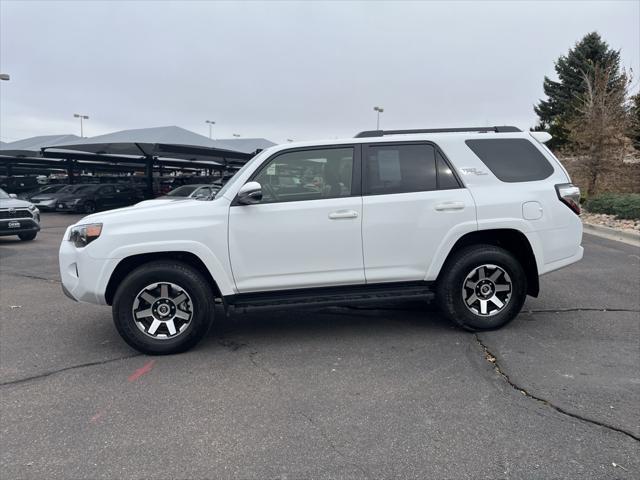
250 193
13 195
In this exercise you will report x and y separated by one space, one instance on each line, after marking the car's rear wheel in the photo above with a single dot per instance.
27 236
163 307
482 287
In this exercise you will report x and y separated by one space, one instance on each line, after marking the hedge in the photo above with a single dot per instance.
622 205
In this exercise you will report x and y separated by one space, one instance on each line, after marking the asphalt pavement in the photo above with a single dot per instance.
391 392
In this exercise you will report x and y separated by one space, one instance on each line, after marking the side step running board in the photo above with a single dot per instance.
316 297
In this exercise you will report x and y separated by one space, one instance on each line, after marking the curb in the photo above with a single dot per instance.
631 238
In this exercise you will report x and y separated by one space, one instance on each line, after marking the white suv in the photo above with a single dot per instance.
471 217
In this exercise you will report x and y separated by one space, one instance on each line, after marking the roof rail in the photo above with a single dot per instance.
382 133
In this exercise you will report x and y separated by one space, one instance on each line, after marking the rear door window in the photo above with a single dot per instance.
512 159
399 168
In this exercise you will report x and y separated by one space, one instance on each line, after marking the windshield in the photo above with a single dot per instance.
184 191
69 188
85 188
4 194
52 189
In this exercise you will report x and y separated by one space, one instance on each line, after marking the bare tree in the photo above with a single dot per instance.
598 133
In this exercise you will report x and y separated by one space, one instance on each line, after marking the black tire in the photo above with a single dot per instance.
89 207
177 273
25 237
451 290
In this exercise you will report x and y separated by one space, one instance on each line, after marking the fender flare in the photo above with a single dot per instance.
215 267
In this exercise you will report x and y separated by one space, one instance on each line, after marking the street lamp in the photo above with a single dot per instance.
379 110
236 135
211 124
4 76
81 117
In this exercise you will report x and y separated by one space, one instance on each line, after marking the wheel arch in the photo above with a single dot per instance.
130 263
511 240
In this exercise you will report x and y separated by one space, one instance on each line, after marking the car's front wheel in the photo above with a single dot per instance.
163 307
482 287
89 207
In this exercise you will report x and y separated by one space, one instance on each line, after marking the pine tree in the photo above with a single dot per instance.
559 109
635 121
599 130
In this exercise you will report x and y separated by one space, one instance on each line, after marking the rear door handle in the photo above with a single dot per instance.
339 214
447 206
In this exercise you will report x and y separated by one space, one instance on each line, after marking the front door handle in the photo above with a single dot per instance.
339 214
447 206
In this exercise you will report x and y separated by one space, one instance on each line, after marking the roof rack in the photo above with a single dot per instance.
382 133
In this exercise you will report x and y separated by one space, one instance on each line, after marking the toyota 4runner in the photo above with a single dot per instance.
468 217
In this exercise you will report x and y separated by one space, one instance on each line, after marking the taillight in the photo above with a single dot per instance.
569 194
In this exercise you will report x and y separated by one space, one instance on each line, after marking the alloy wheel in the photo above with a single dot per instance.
486 290
162 310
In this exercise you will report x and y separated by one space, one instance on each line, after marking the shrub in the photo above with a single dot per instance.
622 205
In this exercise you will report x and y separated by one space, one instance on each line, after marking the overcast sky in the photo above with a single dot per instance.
281 70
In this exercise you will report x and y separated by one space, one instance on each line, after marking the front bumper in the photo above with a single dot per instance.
18 225
84 278
68 207
47 205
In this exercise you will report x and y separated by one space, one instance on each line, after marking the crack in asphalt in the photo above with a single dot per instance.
35 277
72 367
492 359
581 309
539 310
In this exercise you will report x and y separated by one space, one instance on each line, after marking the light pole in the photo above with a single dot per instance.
81 117
236 135
211 124
4 76
379 110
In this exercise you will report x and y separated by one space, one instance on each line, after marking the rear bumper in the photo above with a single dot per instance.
25 225
550 267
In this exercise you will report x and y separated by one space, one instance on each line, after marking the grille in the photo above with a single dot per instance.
15 213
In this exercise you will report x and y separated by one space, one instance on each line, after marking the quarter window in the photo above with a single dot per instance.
307 175
400 168
512 159
446 178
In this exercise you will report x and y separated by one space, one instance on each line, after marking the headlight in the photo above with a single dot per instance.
77 200
83 235
33 208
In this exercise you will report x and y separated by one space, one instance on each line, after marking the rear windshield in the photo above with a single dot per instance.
512 159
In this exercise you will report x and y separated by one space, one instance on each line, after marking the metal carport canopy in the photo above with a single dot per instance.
157 142
162 146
